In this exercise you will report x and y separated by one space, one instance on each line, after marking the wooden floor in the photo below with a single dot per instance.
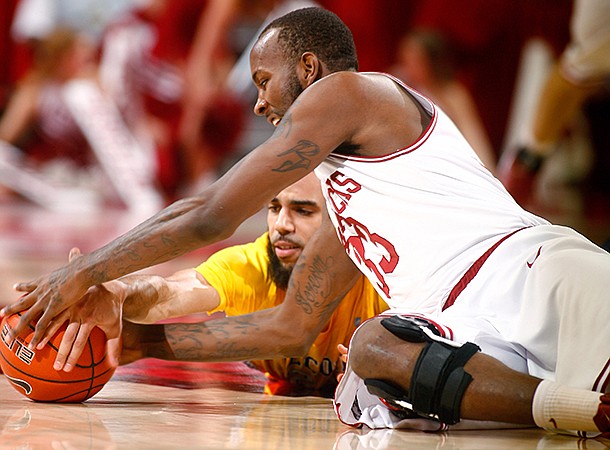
143 416
154 404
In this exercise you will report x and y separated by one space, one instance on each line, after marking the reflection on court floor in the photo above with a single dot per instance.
129 414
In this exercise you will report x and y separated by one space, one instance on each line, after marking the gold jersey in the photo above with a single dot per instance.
241 277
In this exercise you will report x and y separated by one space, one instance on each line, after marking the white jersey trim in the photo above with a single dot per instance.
424 102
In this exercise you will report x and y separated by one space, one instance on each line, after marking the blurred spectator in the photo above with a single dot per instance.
7 50
35 19
488 38
154 68
70 133
213 113
138 82
376 25
581 71
424 61
36 118
218 81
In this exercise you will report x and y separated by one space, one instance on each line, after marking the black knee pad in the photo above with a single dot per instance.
438 382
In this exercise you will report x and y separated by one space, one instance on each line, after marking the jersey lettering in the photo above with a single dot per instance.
362 244
340 190
304 371
366 248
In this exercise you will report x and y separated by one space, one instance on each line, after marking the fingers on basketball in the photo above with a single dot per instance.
32 374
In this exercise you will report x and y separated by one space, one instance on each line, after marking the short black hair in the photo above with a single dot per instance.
319 31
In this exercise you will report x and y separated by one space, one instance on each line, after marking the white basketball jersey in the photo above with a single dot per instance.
414 221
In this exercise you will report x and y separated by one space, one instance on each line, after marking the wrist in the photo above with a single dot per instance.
118 289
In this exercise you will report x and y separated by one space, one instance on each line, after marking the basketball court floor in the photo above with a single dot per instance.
155 404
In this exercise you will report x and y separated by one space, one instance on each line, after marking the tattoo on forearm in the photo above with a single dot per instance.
99 274
232 351
299 156
185 341
317 286
242 324
157 243
213 340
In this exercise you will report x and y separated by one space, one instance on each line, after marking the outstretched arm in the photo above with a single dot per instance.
308 132
152 298
19 113
321 278
299 144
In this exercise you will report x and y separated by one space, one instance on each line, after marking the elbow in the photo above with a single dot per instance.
288 333
298 350
207 231
296 342
294 349
204 221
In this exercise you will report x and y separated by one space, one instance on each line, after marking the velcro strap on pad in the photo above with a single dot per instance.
409 329
439 381
427 377
451 397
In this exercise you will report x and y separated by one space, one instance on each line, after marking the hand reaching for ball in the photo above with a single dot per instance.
101 306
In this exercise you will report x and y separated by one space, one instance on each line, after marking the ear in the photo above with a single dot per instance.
309 69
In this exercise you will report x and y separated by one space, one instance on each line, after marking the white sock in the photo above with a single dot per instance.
560 408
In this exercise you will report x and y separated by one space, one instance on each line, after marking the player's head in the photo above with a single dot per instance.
292 218
294 51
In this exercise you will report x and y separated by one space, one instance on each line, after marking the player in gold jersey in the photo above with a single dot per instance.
246 278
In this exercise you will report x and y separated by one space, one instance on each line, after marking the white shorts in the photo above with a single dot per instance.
540 304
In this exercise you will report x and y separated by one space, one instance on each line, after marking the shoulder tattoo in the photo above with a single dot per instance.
298 157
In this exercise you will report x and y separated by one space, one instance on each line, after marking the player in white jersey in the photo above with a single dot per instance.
438 171
500 281
407 197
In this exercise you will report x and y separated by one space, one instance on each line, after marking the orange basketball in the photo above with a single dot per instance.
31 372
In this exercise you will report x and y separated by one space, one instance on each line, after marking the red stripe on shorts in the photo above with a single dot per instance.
472 271
601 383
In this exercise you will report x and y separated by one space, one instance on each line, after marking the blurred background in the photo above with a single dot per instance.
111 109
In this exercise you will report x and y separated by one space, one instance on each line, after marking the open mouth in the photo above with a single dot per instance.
285 249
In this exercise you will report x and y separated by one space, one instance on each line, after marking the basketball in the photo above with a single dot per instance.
31 372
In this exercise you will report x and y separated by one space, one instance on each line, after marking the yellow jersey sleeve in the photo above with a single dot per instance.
240 275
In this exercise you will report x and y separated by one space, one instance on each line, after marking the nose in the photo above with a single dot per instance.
284 223
260 107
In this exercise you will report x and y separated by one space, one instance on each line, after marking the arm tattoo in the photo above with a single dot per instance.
299 156
155 242
234 352
317 289
191 342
